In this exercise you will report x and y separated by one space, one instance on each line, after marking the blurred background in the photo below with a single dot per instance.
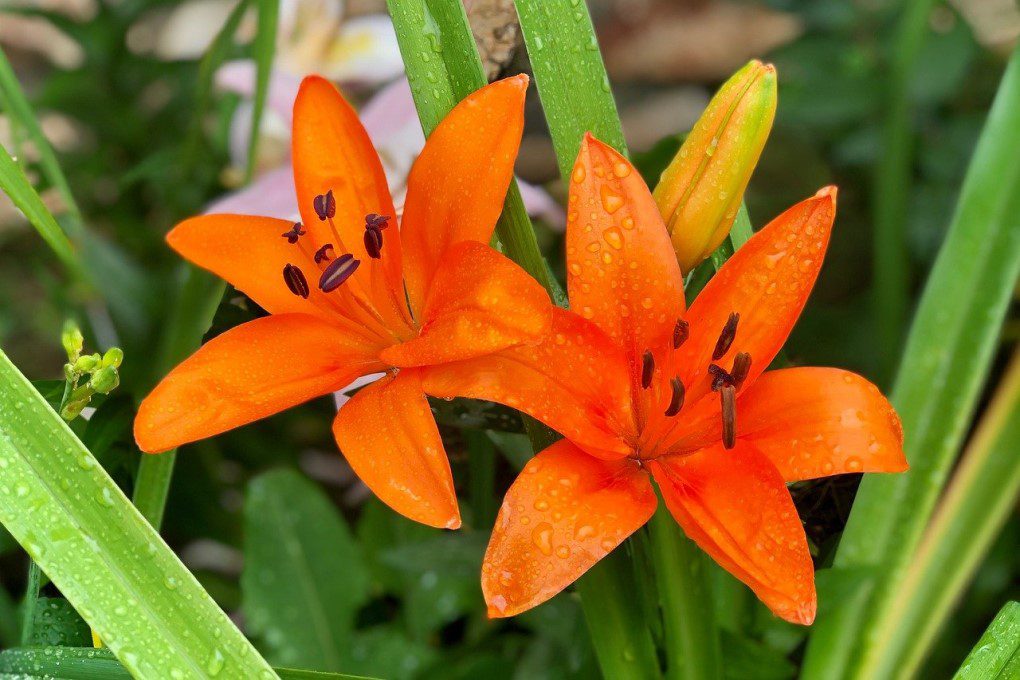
118 88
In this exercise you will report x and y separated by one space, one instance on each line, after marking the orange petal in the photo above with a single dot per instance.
455 189
252 371
767 282
575 381
332 151
815 422
622 272
388 435
564 513
735 506
480 302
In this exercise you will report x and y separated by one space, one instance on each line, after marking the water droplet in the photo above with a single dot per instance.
613 237
542 537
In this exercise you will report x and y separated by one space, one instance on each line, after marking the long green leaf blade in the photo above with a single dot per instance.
264 48
978 502
571 77
946 362
60 504
997 653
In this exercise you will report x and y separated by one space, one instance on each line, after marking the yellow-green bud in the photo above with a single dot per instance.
88 363
72 340
113 357
105 380
701 190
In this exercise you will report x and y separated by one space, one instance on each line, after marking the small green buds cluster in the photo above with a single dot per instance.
86 374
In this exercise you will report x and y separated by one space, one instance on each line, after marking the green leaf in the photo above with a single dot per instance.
997 653
86 663
264 48
304 577
749 659
571 77
977 504
57 624
60 504
443 67
946 361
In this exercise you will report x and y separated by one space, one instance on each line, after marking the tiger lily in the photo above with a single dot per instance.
350 294
643 388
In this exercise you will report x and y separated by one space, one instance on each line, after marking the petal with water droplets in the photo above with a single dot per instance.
564 513
734 505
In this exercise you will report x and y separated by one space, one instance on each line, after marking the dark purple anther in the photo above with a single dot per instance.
374 221
741 366
681 331
295 233
729 332
338 271
647 369
325 205
295 280
322 254
720 377
676 401
373 242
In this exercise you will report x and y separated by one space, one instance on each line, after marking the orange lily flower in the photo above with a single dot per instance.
350 294
642 388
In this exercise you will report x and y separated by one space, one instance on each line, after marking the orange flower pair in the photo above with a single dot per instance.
350 293
643 388
640 387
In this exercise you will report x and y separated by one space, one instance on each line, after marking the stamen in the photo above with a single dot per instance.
295 232
322 254
680 333
647 369
720 378
729 332
325 205
373 242
374 221
338 271
729 416
741 366
676 402
295 280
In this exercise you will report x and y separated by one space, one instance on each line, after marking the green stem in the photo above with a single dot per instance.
28 607
682 572
891 185
621 639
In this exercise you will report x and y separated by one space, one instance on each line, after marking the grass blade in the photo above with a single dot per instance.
946 361
264 48
571 77
979 500
997 653
73 520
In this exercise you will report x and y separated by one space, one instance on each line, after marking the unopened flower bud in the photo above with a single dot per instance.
88 363
105 380
701 190
72 340
113 357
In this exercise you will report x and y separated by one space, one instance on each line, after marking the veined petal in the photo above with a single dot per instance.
735 506
564 513
575 381
767 283
388 435
815 422
479 302
251 371
456 188
622 272
332 152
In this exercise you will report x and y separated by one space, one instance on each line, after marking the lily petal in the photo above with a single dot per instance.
480 302
564 513
622 272
735 506
332 152
456 188
388 435
816 422
250 253
576 381
767 283
251 371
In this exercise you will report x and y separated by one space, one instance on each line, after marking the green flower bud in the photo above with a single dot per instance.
105 380
72 340
113 357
